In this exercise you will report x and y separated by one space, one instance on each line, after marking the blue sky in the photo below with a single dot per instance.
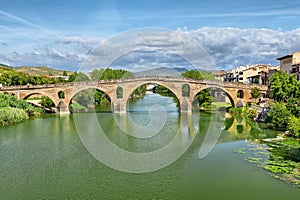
60 33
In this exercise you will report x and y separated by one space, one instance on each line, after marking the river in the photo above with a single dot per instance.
50 157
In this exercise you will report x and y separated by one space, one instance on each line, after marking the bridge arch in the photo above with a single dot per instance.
176 92
69 100
53 99
228 93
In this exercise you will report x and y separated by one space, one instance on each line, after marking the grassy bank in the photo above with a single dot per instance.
13 110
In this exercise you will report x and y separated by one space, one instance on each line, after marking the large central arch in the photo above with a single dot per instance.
130 90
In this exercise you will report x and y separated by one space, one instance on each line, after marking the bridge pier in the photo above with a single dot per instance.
119 107
62 108
185 106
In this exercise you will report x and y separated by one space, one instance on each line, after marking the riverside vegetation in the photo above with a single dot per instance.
279 156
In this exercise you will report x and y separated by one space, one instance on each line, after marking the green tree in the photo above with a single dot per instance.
255 93
194 74
97 74
293 105
81 77
46 102
294 126
72 77
65 73
204 98
284 87
280 116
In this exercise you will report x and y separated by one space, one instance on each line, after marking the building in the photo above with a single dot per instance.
219 75
259 74
250 74
290 64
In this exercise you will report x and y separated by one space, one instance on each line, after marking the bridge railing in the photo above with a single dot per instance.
133 79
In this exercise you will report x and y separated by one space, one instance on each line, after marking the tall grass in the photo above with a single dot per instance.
10 115
13 110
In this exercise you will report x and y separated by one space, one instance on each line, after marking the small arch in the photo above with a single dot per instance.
240 94
119 92
61 94
185 90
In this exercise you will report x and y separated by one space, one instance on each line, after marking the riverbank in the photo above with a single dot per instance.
13 110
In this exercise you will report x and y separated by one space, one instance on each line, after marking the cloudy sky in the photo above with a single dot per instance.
71 34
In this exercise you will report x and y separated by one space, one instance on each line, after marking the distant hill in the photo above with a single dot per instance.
5 68
40 71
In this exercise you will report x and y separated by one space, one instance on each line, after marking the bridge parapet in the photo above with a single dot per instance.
175 84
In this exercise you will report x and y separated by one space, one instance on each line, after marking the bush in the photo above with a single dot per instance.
236 111
75 107
280 116
252 113
10 115
12 101
294 126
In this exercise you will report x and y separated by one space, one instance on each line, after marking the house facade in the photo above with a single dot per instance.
290 64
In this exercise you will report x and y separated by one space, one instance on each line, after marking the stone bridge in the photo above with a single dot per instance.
120 90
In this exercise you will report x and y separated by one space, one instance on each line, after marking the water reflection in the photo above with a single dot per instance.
238 127
131 154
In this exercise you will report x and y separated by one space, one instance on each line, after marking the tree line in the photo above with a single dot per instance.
285 110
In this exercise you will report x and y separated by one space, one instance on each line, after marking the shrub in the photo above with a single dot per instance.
252 113
12 115
280 116
294 126
75 107
236 111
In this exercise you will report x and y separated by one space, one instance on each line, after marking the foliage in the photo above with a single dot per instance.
207 75
204 98
140 91
12 101
110 74
280 116
255 92
252 113
90 98
8 76
283 87
293 105
75 107
97 74
294 126
194 74
161 89
236 111
65 73
47 102
78 77
10 115
13 110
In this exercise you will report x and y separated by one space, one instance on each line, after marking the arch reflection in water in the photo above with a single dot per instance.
95 139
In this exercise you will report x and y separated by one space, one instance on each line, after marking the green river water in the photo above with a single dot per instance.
45 158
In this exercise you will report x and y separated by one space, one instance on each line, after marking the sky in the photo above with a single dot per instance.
136 34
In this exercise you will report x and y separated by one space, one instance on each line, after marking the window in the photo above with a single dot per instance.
185 90
119 93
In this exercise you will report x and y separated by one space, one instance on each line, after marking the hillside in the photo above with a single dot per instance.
40 71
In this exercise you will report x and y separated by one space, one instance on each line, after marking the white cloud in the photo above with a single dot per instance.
233 46
144 49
